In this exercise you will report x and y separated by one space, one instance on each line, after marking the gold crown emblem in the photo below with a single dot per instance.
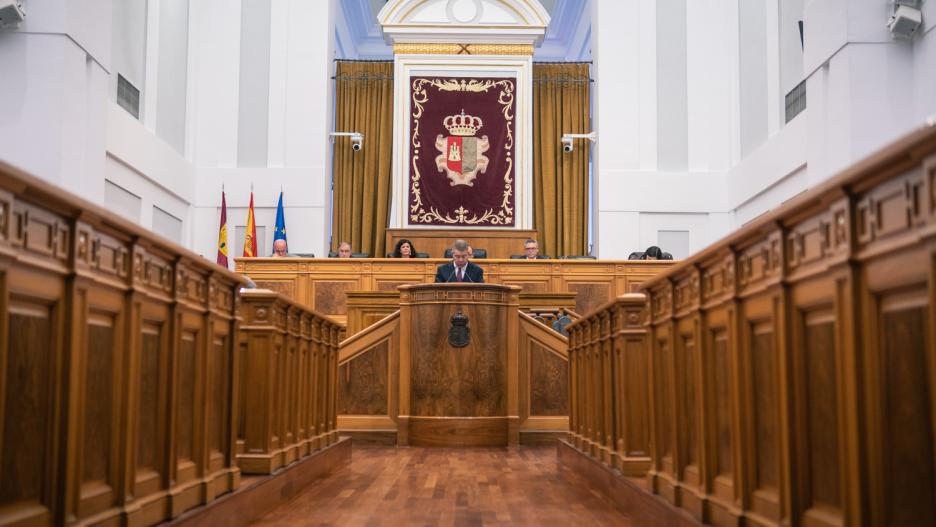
466 125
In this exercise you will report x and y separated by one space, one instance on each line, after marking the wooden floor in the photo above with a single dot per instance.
439 486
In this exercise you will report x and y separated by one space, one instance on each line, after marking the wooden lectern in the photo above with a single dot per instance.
452 392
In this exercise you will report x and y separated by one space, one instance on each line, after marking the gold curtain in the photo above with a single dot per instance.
560 181
362 180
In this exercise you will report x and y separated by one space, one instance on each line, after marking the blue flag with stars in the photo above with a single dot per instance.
279 231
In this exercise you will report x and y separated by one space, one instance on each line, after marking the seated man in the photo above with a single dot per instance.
531 250
279 249
344 250
461 269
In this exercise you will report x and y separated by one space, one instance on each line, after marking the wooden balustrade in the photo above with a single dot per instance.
128 392
793 364
289 370
117 353
609 387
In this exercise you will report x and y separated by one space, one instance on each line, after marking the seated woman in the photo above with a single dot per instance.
653 253
403 249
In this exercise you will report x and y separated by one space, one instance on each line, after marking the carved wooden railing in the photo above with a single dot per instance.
793 365
288 370
117 353
609 388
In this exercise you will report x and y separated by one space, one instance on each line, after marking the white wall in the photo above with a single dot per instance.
299 119
863 90
641 186
54 88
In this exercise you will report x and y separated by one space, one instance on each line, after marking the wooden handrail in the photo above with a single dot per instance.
553 342
357 344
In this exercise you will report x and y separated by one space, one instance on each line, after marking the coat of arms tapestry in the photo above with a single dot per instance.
462 152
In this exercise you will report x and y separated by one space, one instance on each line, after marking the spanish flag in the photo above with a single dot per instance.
222 234
250 235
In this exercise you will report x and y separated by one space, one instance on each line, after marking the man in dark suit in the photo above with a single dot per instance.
531 250
460 269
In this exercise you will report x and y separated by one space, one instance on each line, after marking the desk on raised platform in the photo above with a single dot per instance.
322 283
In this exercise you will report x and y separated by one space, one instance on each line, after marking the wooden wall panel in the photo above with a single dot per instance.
549 387
150 447
286 288
688 404
219 395
722 382
590 296
99 394
908 417
28 406
636 419
364 384
185 409
499 243
467 382
664 386
329 297
822 401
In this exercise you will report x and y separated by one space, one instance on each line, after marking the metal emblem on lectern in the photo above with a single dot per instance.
459 333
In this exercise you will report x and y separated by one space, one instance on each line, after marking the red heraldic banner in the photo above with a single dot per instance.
462 152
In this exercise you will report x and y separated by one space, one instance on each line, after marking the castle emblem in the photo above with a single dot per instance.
460 154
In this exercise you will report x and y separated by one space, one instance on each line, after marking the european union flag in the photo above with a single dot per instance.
279 231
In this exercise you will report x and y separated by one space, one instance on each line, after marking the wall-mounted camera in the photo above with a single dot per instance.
357 139
568 144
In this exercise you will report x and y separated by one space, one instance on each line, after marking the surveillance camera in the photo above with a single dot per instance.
357 140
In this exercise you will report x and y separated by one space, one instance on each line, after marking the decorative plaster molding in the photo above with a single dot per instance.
462 49
455 21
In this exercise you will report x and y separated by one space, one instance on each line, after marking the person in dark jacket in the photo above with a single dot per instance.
653 253
403 249
460 269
